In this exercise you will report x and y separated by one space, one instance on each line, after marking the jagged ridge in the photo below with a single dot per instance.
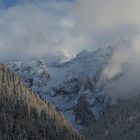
64 84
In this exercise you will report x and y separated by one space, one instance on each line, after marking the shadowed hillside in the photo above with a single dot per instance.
25 116
120 122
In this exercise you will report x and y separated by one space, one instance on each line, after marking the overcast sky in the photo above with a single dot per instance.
43 27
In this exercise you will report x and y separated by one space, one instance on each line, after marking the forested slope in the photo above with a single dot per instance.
25 116
120 122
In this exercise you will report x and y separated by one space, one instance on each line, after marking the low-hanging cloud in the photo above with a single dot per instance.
37 30
125 65
44 29
118 23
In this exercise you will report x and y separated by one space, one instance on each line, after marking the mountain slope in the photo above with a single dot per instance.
25 116
71 84
120 122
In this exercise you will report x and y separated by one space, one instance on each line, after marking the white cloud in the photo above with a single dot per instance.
108 14
112 22
125 61
43 28
37 30
49 28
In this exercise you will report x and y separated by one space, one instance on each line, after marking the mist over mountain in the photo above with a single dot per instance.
40 29
80 55
84 89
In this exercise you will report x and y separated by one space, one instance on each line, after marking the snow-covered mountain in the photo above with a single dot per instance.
74 87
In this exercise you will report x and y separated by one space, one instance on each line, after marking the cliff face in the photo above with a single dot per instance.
25 116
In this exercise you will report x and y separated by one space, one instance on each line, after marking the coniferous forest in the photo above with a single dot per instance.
25 116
